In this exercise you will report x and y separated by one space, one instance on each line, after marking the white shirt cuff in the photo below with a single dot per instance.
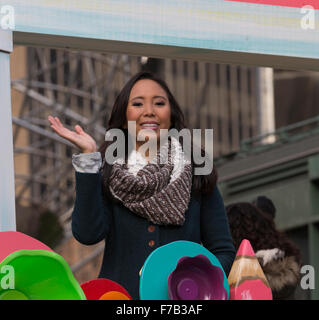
87 162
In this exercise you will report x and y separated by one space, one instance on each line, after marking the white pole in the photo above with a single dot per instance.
266 103
7 192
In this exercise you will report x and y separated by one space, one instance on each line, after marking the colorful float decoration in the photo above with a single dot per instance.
12 241
183 270
196 279
104 289
246 279
38 273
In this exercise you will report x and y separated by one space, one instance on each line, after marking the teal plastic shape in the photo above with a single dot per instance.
37 275
162 261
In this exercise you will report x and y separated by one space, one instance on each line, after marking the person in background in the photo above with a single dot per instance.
265 205
277 255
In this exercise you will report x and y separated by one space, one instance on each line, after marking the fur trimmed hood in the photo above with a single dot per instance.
282 273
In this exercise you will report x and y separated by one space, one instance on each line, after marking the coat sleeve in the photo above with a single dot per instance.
215 232
91 216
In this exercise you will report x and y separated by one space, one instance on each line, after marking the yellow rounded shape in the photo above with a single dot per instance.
13 295
114 295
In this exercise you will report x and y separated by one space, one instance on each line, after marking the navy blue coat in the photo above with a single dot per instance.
129 239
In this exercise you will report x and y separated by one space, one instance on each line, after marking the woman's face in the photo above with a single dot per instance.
149 107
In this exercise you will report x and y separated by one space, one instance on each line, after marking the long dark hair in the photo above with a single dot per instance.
246 221
200 183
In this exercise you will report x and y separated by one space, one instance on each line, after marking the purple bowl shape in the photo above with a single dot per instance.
195 278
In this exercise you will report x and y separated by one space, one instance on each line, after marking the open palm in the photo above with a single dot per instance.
78 137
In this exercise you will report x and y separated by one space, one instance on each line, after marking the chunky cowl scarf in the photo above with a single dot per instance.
159 190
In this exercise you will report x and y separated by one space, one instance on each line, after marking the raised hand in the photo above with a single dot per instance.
78 137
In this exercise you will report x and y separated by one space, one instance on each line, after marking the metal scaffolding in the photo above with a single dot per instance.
78 87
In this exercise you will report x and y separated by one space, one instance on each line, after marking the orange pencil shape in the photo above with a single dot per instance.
246 279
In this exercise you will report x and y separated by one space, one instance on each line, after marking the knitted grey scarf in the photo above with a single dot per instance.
156 192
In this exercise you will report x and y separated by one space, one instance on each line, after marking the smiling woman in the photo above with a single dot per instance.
149 107
138 206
